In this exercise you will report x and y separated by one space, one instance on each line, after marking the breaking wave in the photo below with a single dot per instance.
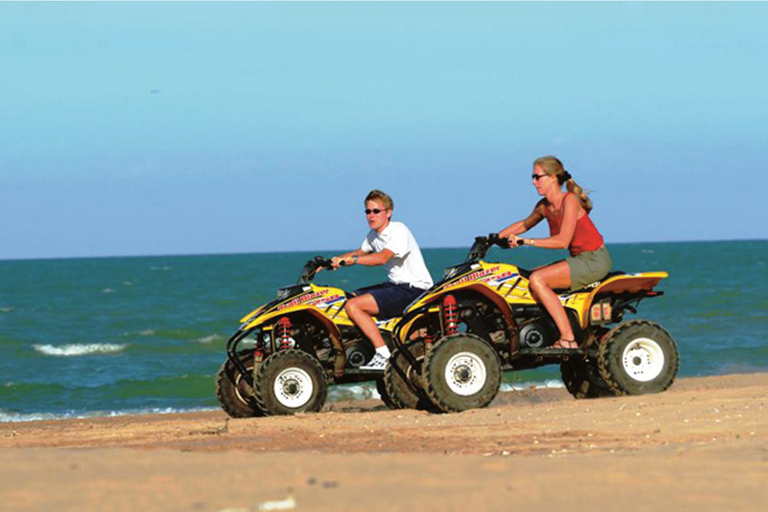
77 349
210 339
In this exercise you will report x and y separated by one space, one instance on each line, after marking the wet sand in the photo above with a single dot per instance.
702 445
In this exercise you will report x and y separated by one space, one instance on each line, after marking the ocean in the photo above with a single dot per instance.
111 336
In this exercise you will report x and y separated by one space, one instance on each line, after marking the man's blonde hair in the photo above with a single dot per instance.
378 195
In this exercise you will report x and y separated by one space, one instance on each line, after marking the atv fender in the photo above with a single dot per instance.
640 284
330 327
496 300
335 335
630 283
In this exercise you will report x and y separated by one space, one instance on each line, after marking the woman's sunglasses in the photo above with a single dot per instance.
537 177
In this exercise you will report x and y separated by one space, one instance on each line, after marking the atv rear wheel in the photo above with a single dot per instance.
235 390
582 379
403 380
462 372
290 381
638 357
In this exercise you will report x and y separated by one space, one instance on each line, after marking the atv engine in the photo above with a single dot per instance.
358 352
540 333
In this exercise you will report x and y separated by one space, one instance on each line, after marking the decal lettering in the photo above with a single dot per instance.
314 297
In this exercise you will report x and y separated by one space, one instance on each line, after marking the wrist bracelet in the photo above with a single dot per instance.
354 259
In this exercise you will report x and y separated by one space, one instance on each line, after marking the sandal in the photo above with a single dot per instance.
565 344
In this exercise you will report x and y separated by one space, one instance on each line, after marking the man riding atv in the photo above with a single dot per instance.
391 244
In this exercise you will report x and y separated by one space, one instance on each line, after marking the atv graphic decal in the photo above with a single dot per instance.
316 299
476 276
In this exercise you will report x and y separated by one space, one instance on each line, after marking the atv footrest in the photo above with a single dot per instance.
359 372
551 351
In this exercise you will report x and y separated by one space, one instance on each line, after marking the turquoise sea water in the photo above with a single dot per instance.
119 335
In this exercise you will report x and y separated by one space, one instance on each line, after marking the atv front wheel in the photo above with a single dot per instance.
582 379
462 372
403 380
235 390
638 357
381 388
291 381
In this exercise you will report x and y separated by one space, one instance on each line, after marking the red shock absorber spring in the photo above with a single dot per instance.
450 315
429 337
258 352
284 332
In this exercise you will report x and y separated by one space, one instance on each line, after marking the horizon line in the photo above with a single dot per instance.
244 253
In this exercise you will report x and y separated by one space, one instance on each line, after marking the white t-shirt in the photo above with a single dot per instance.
407 265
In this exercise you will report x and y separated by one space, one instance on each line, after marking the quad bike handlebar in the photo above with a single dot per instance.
483 243
312 266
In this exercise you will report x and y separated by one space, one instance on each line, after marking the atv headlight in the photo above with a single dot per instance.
287 291
451 271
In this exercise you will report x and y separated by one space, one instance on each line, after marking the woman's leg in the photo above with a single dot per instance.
543 280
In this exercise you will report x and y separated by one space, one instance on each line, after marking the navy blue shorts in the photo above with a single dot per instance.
391 298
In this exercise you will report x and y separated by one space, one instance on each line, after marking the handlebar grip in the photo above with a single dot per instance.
322 262
495 239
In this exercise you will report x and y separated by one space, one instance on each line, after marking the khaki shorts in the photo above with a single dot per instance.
588 267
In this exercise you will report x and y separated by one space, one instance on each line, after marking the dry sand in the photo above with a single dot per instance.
700 446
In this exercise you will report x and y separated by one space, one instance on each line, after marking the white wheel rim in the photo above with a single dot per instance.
293 387
643 359
465 374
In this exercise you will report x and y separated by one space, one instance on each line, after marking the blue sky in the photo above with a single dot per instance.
180 128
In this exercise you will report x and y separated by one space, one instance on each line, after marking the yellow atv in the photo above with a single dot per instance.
286 353
481 320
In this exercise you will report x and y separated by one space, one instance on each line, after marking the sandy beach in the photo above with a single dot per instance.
702 445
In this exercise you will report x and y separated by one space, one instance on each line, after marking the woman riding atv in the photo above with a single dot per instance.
567 213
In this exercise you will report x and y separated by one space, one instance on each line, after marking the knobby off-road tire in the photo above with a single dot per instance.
462 372
408 392
235 390
381 388
638 357
290 381
582 379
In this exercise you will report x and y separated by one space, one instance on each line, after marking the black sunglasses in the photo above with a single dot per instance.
537 177
368 211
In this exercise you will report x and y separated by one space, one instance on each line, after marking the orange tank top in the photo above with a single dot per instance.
585 236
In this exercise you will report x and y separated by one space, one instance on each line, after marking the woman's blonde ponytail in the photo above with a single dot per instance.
554 167
572 186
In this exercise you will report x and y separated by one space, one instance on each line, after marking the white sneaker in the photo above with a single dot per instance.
377 363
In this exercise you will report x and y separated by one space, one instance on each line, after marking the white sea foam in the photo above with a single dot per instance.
367 390
520 386
145 332
353 392
5 310
80 349
14 417
210 339
107 290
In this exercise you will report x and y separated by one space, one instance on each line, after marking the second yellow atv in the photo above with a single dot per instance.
481 320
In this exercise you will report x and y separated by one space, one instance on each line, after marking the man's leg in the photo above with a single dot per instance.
361 311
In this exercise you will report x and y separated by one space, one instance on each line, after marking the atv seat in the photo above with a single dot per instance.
566 291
